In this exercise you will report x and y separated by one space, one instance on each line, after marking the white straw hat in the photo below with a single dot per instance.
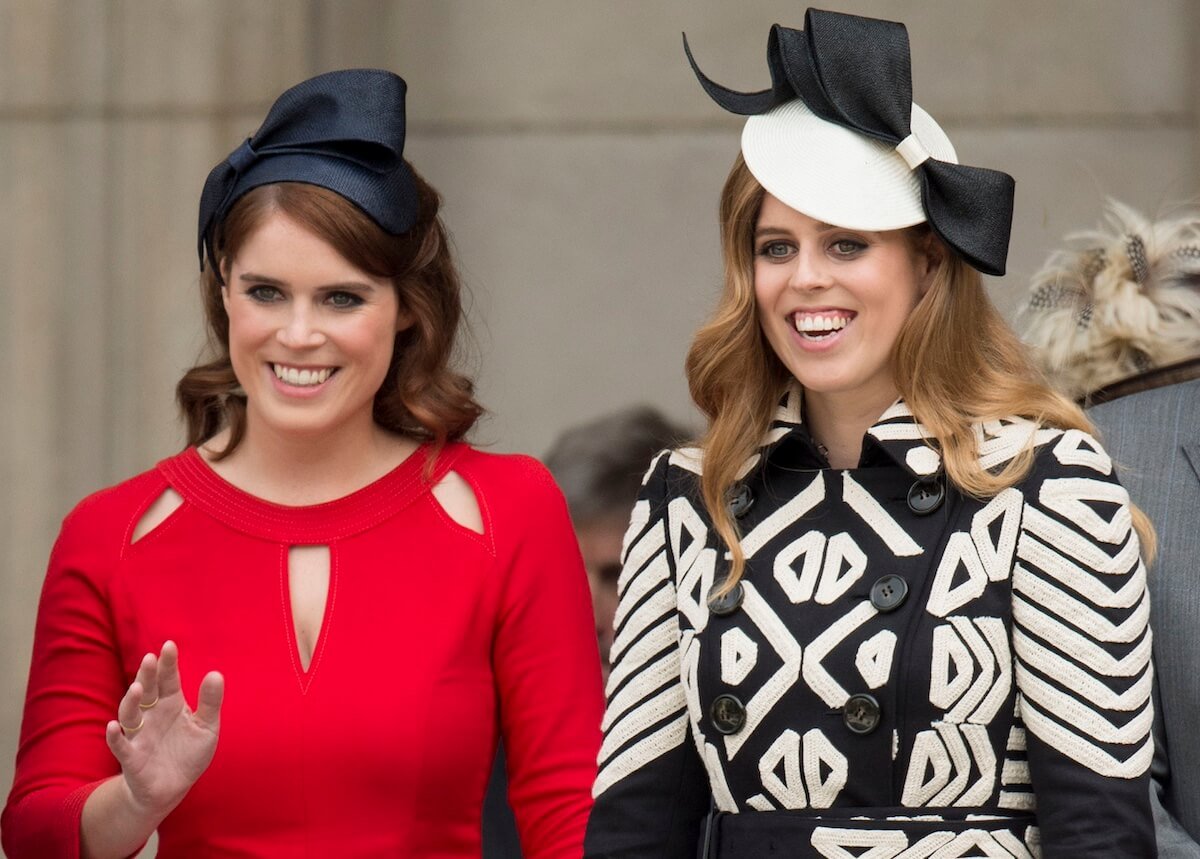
839 176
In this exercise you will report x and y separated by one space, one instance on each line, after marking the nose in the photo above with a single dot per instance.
811 269
301 329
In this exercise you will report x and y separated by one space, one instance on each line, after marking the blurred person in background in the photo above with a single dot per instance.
599 465
894 602
379 600
1115 321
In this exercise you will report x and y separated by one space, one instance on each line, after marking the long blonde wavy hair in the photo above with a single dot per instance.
956 363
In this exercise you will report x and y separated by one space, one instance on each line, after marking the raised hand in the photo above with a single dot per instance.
161 744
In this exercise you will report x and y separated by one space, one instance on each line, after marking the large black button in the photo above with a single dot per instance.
889 593
925 496
861 713
727 714
740 499
726 603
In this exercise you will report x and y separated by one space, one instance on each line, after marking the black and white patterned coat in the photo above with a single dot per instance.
896 682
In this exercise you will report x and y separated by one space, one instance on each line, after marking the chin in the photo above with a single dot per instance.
303 426
824 384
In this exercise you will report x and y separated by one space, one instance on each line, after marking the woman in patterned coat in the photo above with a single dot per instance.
893 605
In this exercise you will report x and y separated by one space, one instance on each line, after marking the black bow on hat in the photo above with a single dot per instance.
341 130
855 72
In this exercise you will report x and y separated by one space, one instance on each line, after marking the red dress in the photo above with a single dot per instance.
435 640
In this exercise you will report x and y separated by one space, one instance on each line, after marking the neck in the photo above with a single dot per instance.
304 469
838 421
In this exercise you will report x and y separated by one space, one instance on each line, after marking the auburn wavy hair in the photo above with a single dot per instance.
956 363
422 396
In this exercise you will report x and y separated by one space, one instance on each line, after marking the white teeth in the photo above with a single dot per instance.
301 378
819 324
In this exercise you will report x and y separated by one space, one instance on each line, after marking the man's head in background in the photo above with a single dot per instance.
599 465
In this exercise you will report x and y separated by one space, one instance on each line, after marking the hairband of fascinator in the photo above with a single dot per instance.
343 131
838 137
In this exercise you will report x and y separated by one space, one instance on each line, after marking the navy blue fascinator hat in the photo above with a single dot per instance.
343 131
838 137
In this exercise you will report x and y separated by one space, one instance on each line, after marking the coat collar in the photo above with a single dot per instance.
897 435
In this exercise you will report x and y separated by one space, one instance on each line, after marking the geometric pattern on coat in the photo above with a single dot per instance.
1022 647
849 843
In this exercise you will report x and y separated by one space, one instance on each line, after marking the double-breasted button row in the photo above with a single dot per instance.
924 497
887 594
861 713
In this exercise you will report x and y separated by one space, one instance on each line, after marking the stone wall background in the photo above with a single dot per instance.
579 161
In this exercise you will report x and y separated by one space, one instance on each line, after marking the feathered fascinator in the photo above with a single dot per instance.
1124 301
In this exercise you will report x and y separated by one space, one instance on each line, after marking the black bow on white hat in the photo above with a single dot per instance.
855 73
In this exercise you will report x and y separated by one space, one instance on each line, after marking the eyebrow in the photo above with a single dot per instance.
251 277
822 227
771 231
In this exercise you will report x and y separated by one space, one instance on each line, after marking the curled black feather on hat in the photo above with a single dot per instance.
343 131
855 72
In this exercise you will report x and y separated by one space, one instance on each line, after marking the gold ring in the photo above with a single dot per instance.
128 731
143 706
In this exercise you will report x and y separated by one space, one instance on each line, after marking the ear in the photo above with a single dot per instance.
930 257
226 269
405 318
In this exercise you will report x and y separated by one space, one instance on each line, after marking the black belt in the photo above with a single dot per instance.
790 834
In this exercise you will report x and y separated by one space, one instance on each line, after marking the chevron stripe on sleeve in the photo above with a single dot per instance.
647 711
647 762
1081 636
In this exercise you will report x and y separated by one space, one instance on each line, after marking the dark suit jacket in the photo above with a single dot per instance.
1154 436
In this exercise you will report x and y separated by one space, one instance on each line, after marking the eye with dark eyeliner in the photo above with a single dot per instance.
264 294
775 250
344 300
847 247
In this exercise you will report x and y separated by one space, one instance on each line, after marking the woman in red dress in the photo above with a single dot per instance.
355 604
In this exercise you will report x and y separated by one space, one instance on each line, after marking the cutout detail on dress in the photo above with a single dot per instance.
457 499
159 511
308 589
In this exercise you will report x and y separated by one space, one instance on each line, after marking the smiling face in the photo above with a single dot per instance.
832 301
310 335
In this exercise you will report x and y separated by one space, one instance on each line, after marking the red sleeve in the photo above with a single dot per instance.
75 683
547 666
